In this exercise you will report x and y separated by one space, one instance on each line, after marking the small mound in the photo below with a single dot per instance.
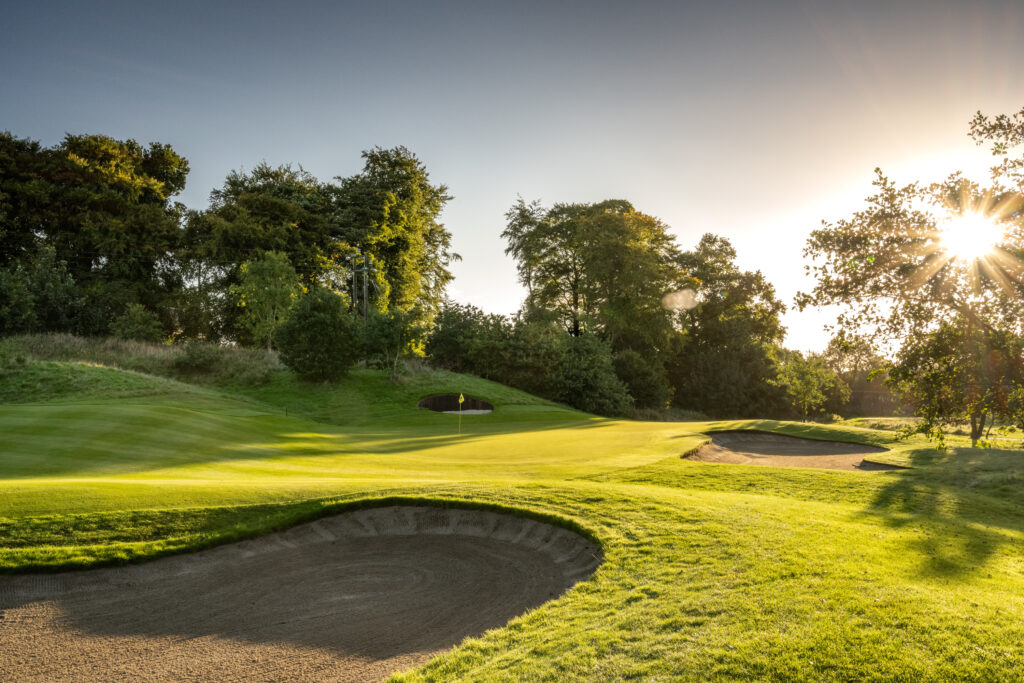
40 381
778 450
353 597
449 403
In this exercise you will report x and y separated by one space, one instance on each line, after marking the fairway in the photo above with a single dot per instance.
710 571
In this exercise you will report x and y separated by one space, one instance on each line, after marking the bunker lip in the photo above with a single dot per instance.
449 403
780 450
356 596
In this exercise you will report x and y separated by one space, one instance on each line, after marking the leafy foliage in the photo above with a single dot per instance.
319 341
864 371
600 267
103 206
587 378
723 362
387 336
391 211
267 285
137 324
888 264
962 372
17 305
811 385
644 377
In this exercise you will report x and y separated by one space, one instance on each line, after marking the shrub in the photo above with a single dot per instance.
387 336
587 379
198 357
644 378
319 341
17 305
137 324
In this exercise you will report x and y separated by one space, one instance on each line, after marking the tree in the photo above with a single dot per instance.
864 371
320 340
103 206
602 268
723 361
387 336
644 377
465 339
961 372
17 305
903 268
810 383
279 209
390 210
267 286
586 378
138 324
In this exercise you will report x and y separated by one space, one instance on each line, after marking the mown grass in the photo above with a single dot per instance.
711 571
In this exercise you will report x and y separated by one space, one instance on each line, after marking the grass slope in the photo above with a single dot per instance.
712 571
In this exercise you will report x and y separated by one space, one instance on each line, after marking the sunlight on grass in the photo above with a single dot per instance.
711 571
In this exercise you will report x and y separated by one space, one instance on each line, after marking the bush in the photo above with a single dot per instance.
319 341
17 305
387 336
137 324
644 378
587 379
198 357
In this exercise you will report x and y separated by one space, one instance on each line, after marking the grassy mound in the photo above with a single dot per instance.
711 571
46 381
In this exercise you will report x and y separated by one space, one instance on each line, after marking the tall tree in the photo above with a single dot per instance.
601 267
962 372
391 211
103 206
724 361
279 209
914 264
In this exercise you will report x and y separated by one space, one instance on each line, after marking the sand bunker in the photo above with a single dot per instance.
776 450
352 597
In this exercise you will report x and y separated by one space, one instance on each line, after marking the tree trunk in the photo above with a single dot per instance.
977 428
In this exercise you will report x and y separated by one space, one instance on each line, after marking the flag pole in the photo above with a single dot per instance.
461 399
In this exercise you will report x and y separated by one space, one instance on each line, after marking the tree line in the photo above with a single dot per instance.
90 233
617 316
619 319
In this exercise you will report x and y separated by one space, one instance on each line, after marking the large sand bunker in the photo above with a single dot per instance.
352 597
776 450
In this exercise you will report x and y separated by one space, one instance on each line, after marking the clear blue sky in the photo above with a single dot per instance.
753 120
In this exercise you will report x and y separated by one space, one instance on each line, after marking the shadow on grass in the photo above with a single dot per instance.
958 506
70 440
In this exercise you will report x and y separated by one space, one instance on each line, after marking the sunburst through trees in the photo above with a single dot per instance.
935 273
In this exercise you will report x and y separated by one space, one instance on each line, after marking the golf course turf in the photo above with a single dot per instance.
710 571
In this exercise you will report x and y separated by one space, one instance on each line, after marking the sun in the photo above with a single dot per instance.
970 236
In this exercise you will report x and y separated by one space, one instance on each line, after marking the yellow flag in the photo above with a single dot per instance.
462 399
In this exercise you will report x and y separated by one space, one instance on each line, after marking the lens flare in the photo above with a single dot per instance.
970 236
679 301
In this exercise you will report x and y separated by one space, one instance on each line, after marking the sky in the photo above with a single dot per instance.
752 120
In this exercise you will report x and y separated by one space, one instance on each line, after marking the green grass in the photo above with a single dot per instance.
711 571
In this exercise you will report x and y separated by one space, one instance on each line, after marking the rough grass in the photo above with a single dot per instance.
712 572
